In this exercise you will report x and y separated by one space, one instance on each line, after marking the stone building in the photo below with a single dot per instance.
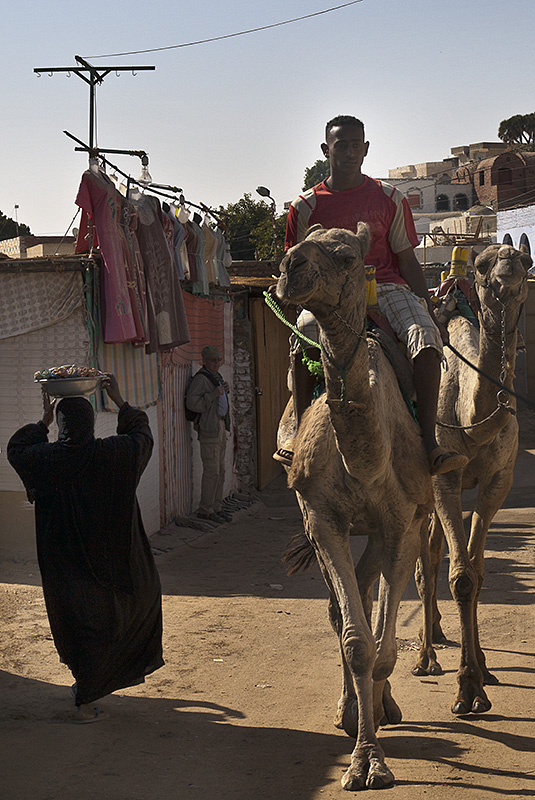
502 181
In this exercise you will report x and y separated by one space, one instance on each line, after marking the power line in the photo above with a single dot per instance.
228 35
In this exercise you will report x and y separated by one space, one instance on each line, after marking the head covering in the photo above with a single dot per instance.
210 352
76 421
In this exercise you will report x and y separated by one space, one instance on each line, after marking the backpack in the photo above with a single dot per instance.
193 416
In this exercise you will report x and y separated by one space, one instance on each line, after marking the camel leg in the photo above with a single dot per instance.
368 767
464 585
426 582
436 551
490 499
399 560
368 571
346 717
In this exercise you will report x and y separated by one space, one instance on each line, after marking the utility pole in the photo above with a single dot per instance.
92 76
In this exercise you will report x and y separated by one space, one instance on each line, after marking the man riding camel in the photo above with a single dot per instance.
344 199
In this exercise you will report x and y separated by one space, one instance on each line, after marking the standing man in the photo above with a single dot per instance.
344 199
207 396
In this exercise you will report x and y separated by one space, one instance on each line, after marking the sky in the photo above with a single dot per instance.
220 118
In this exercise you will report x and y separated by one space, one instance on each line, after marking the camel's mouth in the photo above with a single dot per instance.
298 278
295 287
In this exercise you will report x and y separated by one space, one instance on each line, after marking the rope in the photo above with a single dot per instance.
314 367
279 313
488 377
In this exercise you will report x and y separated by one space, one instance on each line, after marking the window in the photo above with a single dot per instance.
525 241
443 202
503 176
507 239
481 178
460 202
414 197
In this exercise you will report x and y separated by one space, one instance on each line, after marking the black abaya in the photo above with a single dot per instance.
100 583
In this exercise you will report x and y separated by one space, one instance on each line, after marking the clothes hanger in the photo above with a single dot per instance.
183 213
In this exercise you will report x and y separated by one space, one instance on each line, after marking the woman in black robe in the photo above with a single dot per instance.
100 583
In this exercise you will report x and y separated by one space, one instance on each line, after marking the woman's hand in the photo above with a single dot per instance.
109 383
48 408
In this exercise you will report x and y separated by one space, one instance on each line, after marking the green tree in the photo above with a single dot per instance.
249 229
8 228
316 173
262 236
518 131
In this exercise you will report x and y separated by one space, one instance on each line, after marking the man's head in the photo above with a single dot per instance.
76 421
211 358
343 119
346 149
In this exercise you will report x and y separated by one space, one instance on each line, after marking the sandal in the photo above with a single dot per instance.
285 454
97 716
441 461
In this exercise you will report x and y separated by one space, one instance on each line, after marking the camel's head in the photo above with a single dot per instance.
325 270
500 275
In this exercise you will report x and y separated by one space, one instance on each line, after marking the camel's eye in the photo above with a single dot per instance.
345 255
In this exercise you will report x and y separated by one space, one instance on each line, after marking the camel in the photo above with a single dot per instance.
478 419
359 466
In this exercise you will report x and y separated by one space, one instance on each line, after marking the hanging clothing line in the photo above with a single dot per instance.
148 250
154 188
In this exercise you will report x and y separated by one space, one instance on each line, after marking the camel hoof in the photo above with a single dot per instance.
435 669
418 671
481 705
378 777
459 708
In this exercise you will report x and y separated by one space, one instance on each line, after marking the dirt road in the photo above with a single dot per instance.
243 708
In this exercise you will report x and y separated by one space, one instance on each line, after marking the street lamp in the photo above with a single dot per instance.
264 192
16 218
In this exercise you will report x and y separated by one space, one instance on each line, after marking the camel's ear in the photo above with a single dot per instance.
474 254
316 227
487 258
363 235
527 261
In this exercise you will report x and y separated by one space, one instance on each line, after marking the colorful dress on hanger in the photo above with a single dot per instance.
179 234
168 324
191 246
209 253
222 258
99 199
201 286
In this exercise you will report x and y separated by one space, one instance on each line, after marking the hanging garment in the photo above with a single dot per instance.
191 246
98 197
221 258
183 252
179 234
136 272
200 286
168 325
209 252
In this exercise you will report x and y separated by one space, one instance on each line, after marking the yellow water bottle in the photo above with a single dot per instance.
371 286
459 260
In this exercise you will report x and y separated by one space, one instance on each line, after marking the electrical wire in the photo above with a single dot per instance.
228 35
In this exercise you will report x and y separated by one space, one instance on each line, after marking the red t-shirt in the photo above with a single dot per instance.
379 204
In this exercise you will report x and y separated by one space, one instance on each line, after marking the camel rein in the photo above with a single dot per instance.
503 400
342 371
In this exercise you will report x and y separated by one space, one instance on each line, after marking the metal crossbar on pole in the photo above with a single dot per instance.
92 76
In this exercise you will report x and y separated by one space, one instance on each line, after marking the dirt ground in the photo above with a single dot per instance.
244 705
